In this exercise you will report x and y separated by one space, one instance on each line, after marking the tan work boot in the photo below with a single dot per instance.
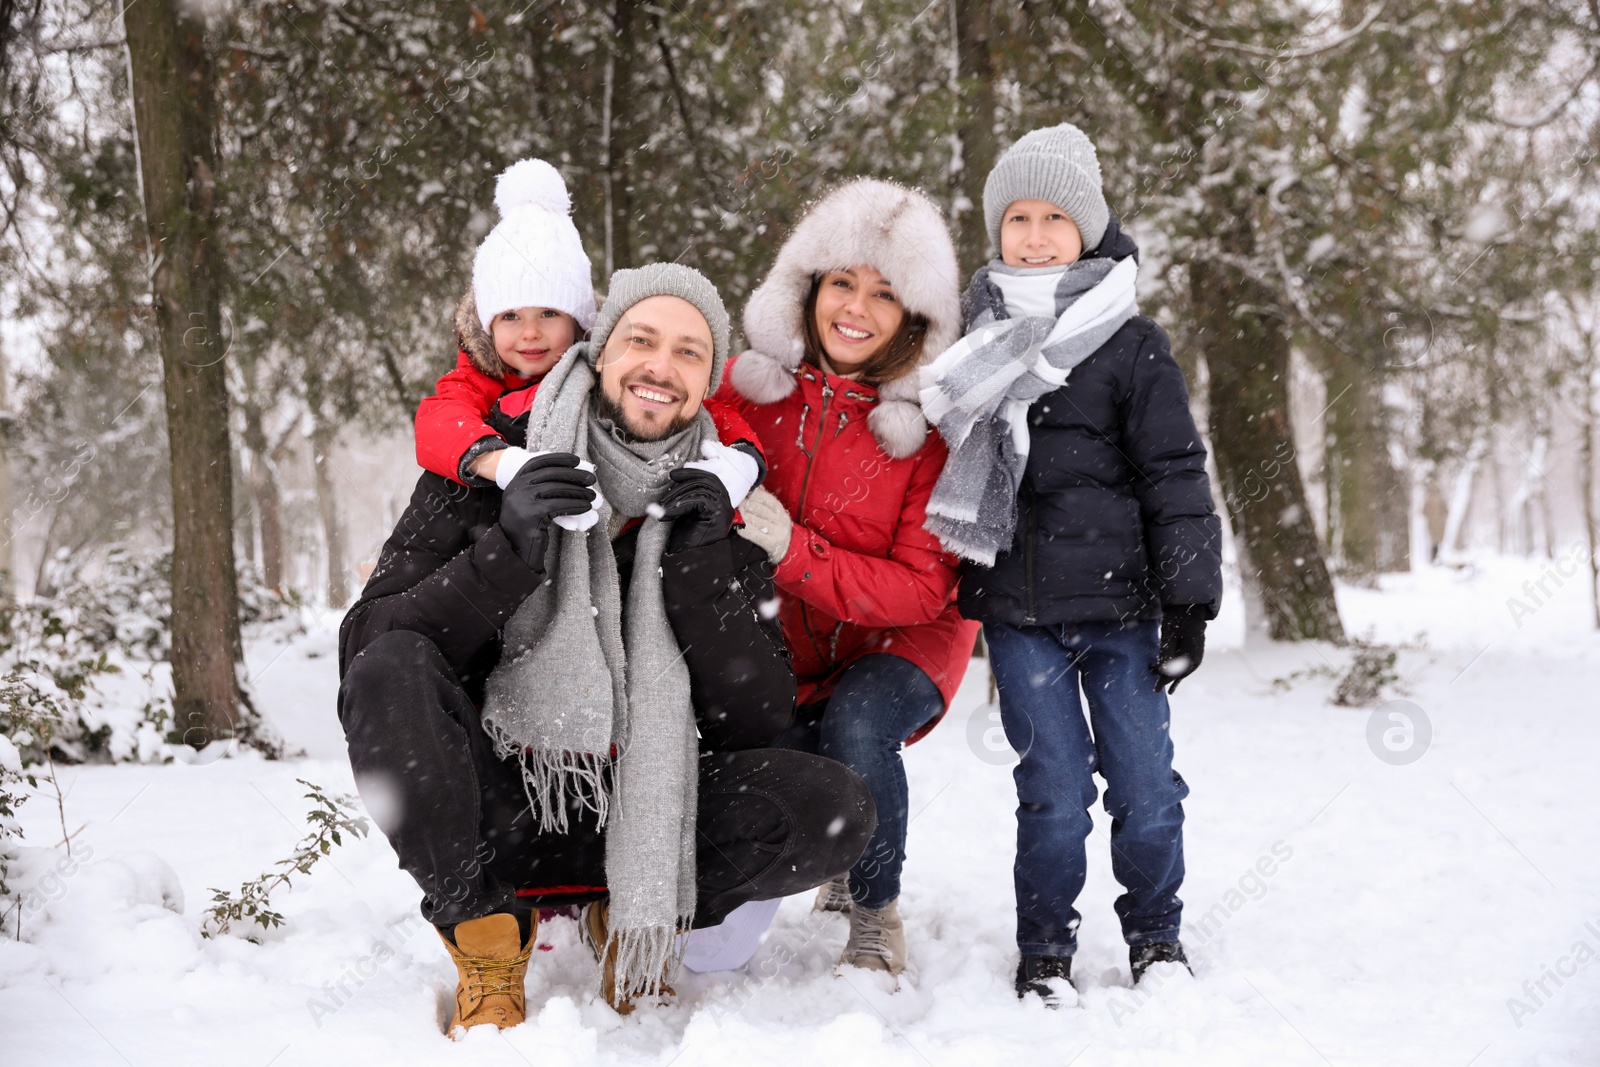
490 967
834 896
596 932
877 939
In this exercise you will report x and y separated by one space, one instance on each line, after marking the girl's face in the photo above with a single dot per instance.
1037 233
531 340
857 314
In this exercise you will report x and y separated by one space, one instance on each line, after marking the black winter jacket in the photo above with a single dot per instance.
448 573
1115 518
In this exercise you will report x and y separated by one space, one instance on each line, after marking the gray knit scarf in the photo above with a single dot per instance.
594 698
979 390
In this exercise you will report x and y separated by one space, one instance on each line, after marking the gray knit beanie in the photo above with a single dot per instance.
630 286
1058 164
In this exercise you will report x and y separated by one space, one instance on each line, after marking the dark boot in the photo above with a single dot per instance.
1142 957
1034 974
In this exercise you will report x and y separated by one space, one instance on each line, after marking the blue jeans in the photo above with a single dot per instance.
1039 670
880 701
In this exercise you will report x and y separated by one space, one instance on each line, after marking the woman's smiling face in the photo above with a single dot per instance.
857 314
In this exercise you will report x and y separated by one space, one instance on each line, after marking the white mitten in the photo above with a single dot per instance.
735 468
581 522
511 460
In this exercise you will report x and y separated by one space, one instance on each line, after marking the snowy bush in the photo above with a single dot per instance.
12 780
330 815
1371 671
109 617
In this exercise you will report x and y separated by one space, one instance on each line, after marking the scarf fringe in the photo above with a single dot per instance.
955 511
954 536
551 779
647 957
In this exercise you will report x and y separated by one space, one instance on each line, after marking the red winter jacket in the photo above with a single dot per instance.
455 417
861 575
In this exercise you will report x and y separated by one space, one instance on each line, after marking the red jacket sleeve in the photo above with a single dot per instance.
452 420
913 585
731 426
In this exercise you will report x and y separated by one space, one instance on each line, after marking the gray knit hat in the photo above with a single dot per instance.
630 286
1058 164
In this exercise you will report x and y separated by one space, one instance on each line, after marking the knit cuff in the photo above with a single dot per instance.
754 453
481 447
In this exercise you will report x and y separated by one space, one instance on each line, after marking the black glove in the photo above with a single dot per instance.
699 503
1183 644
545 487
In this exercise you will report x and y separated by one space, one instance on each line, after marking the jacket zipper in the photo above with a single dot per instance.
805 486
1032 616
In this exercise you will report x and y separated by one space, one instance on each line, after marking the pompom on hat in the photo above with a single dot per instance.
534 256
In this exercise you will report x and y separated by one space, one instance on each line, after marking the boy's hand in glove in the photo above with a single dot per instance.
547 485
698 507
1183 645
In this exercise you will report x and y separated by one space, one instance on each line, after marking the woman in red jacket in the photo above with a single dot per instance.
863 292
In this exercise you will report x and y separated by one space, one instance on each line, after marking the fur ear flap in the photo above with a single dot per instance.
897 422
899 427
761 378
474 340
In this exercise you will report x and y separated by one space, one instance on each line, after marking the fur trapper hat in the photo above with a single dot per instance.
895 230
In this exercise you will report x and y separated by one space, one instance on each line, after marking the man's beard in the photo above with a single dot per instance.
609 409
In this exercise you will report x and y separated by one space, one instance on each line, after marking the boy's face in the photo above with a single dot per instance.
531 340
1037 233
655 369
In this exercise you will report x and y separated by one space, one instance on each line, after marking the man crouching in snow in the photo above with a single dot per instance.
544 716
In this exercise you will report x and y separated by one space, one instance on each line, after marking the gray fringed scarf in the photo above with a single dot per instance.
598 696
979 390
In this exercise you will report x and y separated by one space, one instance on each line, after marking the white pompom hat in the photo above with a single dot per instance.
534 256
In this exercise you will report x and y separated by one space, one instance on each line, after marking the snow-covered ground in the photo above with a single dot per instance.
1344 907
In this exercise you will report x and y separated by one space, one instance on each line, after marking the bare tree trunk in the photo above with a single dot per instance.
170 77
1247 354
264 488
269 519
616 109
1368 500
327 504
1590 521
8 583
974 142
1589 398
1455 520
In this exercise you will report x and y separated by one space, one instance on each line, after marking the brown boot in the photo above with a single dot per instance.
877 939
834 896
596 932
490 967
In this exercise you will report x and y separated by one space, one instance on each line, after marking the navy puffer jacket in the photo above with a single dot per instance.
1115 518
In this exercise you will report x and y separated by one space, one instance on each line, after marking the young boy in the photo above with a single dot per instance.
1076 493
530 300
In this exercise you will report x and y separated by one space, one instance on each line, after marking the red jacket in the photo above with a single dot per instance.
861 575
454 418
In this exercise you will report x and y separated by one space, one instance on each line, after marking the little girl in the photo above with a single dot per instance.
531 299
